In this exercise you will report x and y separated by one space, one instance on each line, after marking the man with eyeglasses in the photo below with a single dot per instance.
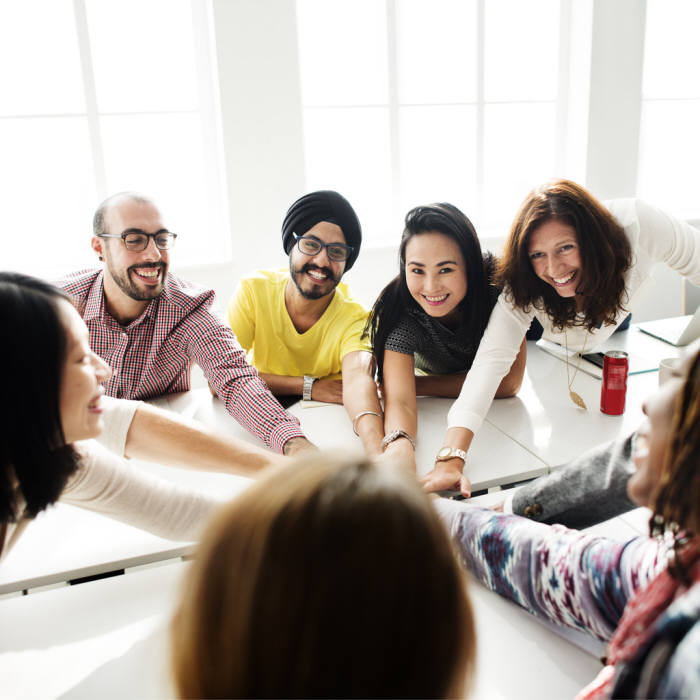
301 328
150 326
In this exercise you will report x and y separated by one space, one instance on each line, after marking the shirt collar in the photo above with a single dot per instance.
96 308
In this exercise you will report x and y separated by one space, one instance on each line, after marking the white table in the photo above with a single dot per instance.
109 639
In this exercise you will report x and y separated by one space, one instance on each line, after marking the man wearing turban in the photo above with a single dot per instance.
301 328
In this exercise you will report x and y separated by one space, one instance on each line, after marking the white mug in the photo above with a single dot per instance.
666 368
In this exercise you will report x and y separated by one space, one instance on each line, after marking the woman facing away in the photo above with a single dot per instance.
431 317
580 267
329 579
51 411
642 596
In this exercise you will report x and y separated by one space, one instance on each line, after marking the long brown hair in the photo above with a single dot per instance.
606 255
677 497
325 579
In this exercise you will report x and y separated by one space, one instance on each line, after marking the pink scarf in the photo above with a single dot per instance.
637 624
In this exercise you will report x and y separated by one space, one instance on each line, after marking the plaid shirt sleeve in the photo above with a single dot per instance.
213 346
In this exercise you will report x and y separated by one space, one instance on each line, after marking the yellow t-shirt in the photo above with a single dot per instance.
258 316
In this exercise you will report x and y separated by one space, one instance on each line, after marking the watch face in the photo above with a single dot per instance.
445 452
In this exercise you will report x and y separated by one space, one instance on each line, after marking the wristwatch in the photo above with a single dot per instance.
308 384
395 435
448 452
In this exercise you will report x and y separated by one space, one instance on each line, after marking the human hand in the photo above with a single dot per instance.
447 475
297 444
498 507
327 390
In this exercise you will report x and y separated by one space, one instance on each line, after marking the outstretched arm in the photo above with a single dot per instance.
160 436
360 395
400 409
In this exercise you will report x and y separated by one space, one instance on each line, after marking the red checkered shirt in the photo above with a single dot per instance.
153 355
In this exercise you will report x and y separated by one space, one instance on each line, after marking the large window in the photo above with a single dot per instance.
99 96
670 132
407 102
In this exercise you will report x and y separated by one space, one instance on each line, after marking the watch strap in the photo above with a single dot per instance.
395 435
453 452
308 386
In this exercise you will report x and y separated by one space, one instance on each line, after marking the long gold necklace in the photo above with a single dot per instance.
572 394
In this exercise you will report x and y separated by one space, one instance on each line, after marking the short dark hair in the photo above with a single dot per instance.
606 255
395 298
32 354
329 578
98 219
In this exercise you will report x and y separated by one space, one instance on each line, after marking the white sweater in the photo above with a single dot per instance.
107 483
654 237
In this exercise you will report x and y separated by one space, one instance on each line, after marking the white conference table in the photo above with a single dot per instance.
109 639
522 437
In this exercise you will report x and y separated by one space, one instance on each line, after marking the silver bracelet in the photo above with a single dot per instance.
308 386
395 435
358 416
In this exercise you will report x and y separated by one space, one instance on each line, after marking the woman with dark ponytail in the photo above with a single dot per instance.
431 317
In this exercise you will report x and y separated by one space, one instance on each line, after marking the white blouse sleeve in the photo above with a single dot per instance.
499 346
111 486
669 240
117 415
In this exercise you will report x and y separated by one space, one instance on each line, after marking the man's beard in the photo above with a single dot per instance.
125 283
317 291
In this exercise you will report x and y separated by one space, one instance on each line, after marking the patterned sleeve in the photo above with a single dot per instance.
565 576
212 345
404 337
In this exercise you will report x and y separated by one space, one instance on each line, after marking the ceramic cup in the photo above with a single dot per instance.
666 367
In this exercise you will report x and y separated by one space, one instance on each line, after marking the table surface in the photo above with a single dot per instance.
522 437
109 637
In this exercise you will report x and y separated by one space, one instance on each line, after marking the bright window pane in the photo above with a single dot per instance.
436 51
522 50
669 156
143 55
162 157
48 194
348 150
671 56
518 154
342 52
40 64
437 156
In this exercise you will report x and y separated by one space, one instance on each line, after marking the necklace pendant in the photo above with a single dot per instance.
578 400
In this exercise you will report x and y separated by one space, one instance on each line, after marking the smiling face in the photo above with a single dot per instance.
81 380
555 256
654 436
316 276
436 274
132 275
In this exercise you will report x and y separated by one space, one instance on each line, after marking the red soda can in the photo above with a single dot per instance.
614 390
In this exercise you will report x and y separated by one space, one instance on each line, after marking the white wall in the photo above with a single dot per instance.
256 52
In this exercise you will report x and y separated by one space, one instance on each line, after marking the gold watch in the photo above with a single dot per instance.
448 452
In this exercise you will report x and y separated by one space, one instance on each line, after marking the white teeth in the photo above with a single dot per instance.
317 275
434 299
564 280
149 273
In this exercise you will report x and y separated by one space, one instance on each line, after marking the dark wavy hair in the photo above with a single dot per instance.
677 497
33 452
395 298
606 255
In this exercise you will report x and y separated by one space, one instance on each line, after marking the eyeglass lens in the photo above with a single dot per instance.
139 241
310 246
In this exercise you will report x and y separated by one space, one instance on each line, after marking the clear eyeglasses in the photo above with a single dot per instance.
138 240
337 252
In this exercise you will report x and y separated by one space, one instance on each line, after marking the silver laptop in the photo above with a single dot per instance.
677 331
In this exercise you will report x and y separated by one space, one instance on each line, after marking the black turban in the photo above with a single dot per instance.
324 205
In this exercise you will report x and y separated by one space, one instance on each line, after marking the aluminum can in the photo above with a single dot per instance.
614 390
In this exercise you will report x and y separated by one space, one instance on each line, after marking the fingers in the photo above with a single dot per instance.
465 486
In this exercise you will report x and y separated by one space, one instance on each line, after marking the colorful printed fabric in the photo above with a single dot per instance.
153 355
586 582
